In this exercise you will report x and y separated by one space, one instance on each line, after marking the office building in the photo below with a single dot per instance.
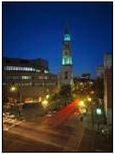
32 78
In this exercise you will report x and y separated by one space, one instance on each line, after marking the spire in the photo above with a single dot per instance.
66 31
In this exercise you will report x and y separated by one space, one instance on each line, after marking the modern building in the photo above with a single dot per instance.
108 87
32 78
66 73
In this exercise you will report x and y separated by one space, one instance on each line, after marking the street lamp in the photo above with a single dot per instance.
47 96
81 104
45 103
13 89
82 107
89 99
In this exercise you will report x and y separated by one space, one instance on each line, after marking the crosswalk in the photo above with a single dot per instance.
9 123
62 137
58 131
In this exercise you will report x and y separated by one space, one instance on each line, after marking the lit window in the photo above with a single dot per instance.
45 71
16 68
31 69
26 77
37 70
66 37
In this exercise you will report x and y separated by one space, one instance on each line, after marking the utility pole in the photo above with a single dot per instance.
92 126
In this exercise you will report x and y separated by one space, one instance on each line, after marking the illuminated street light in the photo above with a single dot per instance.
40 99
92 92
91 83
81 83
45 103
47 96
89 99
13 88
81 104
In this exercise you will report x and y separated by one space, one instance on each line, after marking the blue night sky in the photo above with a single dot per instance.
35 30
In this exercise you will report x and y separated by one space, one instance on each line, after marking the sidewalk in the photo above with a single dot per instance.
93 141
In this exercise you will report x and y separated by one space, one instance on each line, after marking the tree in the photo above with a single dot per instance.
65 94
99 88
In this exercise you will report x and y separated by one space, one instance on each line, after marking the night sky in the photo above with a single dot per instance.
35 30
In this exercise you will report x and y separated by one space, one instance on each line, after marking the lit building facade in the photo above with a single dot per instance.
31 77
66 74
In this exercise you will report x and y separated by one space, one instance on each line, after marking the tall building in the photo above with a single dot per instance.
107 60
66 74
108 92
100 72
31 77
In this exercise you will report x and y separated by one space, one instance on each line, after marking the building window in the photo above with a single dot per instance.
26 77
37 70
50 83
40 77
66 75
45 71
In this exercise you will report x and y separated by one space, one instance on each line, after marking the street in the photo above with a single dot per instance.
54 133
61 131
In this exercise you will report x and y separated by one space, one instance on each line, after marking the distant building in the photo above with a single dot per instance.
85 76
31 77
108 84
107 60
108 94
66 73
100 72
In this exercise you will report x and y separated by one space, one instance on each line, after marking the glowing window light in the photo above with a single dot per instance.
67 37
98 111
45 71
66 61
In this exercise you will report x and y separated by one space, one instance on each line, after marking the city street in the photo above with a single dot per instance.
60 131
55 133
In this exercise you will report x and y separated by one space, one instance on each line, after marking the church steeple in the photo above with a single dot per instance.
66 57
66 73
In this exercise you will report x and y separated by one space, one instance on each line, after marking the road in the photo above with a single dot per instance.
61 132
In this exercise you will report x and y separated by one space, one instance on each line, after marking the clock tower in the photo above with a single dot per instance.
66 74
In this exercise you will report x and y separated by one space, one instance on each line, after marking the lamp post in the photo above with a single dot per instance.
15 89
92 119
44 104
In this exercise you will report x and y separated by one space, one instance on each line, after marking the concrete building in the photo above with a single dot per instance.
32 78
100 72
108 87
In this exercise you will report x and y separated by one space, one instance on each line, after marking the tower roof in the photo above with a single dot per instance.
66 31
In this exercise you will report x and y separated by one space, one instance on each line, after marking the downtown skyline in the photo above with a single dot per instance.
36 30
